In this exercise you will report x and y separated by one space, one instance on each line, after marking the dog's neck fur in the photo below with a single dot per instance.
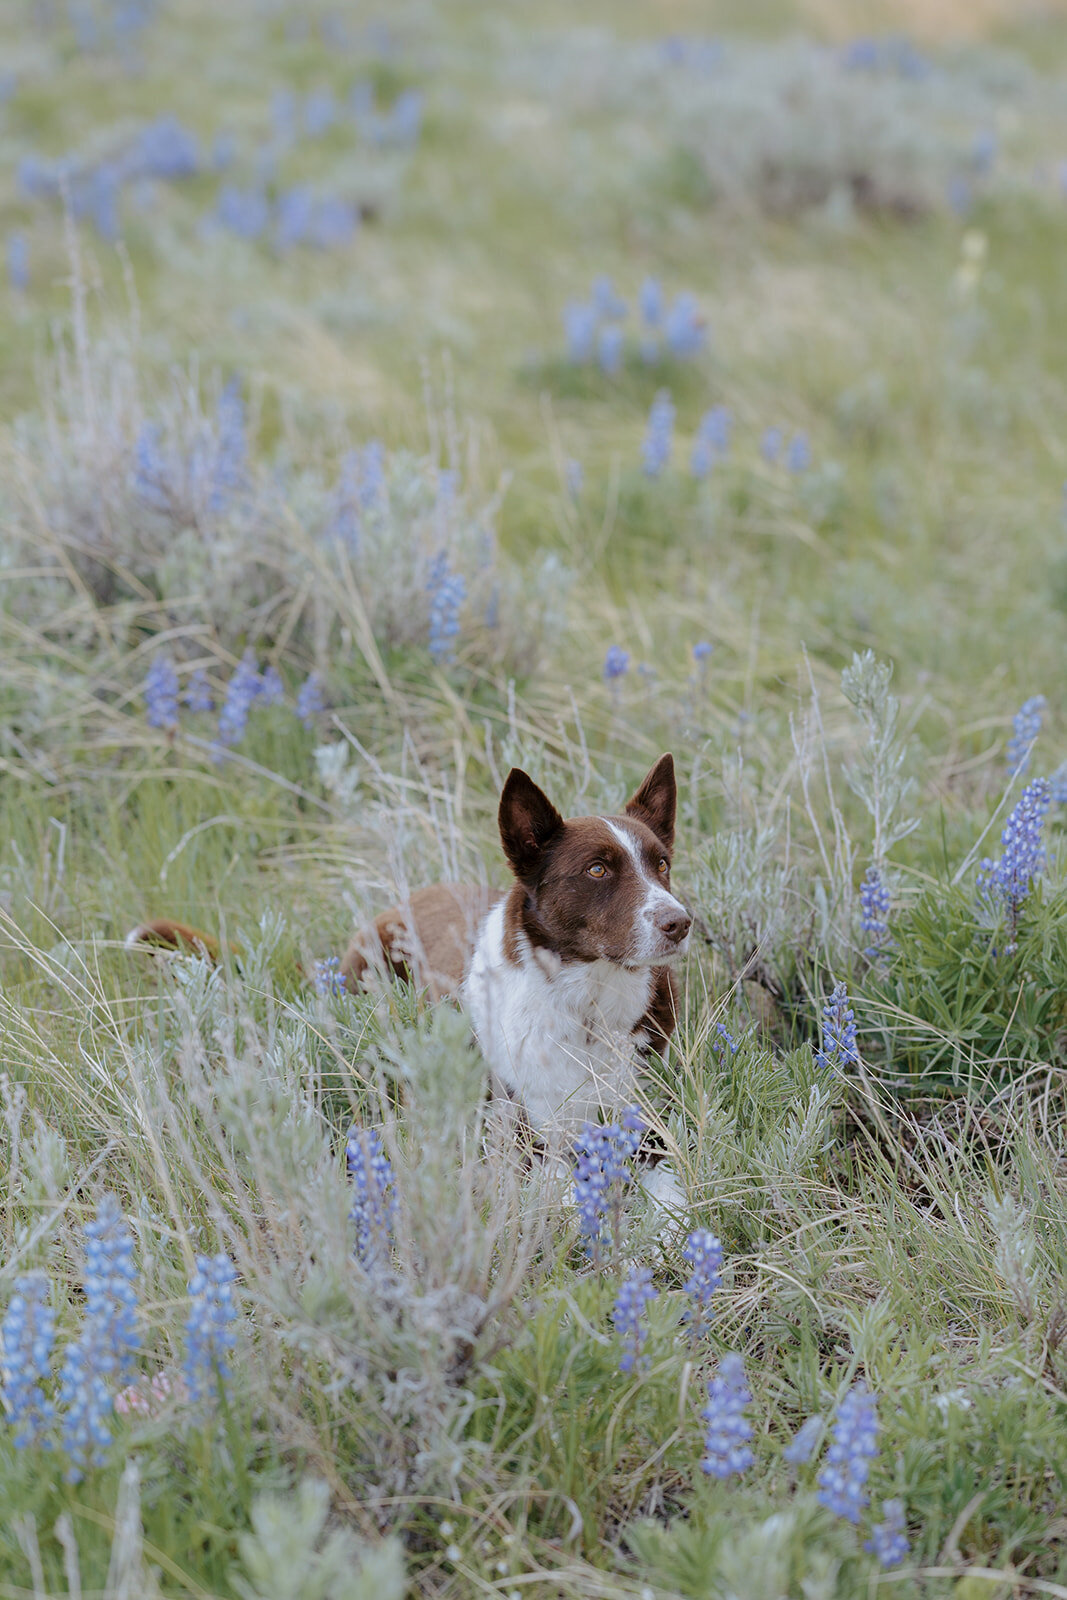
565 1038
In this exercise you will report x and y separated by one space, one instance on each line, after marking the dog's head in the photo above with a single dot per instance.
598 888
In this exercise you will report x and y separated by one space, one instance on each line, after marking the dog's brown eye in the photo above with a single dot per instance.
597 870
664 867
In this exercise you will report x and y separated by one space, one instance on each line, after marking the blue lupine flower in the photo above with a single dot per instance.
888 1540
629 1317
328 977
242 692
18 261
209 1333
606 303
701 457
650 300
723 1041
271 687
579 327
198 696
874 911
152 478
96 197
372 475
838 1032
703 1255
103 1353
245 212
861 55
798 455
683 327
26 1339
1058 785
293 217
229 472
716 426
165 149
616 663
447 590
374 1205
320 113
602 1172
1005 883
853 1445
1026 725
801 1446
310 699
405 119
656 449
333 224
702 651
771 444
609 348
726 1450
161 693
85 1402
111 1281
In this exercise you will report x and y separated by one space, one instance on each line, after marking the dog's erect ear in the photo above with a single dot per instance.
528 821
655 802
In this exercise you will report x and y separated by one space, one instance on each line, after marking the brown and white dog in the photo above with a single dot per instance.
567 977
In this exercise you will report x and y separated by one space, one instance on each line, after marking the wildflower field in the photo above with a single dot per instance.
394 393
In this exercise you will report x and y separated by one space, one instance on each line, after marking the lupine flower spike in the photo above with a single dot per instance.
853 1446
616 663
447 590
874 912
209 1333
328 979
703 1256
1005 883
838 1032
374 1203
102 1354
801 1446
888 1540
656 450
726 1449
1026 725
242 692
602 1173
25 1357
629 1317
161 693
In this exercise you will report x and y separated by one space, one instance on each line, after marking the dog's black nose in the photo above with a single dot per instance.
675 925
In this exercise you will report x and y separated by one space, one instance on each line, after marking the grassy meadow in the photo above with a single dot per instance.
392 394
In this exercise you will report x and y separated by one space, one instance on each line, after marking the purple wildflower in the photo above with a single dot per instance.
629 1317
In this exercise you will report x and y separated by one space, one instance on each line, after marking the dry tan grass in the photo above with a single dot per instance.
926 19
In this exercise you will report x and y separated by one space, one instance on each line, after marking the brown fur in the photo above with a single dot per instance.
427 939
165 934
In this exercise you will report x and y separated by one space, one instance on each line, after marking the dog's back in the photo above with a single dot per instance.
428 939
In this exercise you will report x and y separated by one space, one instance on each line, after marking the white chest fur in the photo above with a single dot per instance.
559 1036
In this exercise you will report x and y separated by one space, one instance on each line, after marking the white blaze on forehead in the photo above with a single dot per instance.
657 896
